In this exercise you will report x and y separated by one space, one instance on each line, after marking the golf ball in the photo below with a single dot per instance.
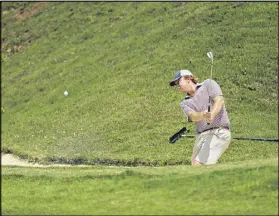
66 93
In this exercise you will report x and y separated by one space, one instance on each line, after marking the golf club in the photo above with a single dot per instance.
178 135
210 55
242 138
181 132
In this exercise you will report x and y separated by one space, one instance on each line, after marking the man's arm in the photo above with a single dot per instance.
208 116
217 106
197 116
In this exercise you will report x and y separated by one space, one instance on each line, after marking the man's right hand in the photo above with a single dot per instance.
208 117
199 116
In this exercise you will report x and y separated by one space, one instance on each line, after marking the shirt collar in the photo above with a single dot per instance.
197 87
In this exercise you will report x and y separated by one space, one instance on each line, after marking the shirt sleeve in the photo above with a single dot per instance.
213 88
186 109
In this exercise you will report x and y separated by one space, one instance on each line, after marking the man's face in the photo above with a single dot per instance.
183 84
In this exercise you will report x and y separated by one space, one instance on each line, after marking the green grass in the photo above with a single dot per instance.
116 60
246 188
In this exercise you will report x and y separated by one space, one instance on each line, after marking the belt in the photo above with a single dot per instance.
213 129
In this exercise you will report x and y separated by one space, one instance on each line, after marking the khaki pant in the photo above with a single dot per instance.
210 145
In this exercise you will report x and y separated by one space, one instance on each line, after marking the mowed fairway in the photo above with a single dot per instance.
246 188
116 60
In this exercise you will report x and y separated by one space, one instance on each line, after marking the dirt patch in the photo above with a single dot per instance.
37 7
13 160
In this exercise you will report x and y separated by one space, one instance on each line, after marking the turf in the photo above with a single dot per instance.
246 188
116 59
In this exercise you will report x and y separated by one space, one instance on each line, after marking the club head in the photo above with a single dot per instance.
178 135
210 55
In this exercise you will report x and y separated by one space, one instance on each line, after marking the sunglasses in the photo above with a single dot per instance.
177 82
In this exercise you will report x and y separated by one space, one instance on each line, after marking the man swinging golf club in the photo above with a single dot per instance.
204 105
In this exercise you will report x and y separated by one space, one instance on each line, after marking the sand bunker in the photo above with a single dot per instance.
13 160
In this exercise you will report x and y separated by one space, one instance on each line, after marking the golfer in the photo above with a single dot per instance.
213 134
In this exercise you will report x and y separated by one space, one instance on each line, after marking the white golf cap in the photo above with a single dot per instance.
180 74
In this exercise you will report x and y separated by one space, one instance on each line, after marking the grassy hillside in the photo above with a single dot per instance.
116 59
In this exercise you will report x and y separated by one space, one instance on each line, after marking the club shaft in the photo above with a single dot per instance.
242 138
211 70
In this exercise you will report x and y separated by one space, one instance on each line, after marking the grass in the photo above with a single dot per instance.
116 60
243 188
116 67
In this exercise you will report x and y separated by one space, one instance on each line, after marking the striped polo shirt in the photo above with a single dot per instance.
199 103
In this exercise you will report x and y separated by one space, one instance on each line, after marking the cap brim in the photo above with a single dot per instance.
172 83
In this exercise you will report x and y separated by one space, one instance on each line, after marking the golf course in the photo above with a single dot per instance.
85 96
